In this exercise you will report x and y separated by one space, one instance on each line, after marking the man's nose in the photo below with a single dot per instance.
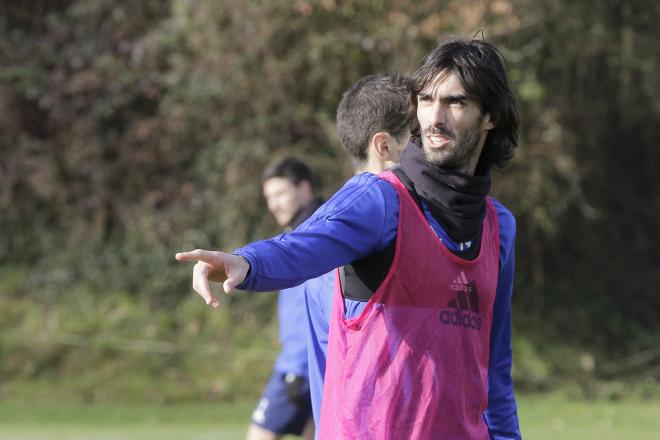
438 115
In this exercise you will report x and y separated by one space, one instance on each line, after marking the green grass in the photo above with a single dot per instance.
545 417
138 432
53 413
66 421
541 416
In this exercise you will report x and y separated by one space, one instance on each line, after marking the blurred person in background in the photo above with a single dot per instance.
428 352
285 406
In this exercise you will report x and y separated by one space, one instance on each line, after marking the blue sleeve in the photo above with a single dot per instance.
360 219
502 414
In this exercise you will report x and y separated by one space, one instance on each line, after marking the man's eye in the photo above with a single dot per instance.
424 98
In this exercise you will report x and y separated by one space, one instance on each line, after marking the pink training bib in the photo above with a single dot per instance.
414 363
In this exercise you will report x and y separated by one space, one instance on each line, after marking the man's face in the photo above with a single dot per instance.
285 199
452 127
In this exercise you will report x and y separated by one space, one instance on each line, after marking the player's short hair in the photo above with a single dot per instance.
290 168
373 104
480 68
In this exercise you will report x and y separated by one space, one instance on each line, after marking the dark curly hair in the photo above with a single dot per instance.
479 67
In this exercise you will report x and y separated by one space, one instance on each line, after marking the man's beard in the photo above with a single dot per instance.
465 144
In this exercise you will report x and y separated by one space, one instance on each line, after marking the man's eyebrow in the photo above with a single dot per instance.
455 98
447 98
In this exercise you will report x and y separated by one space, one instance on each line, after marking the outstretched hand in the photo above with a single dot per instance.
219 267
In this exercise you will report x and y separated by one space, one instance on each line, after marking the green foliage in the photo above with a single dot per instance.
116 347
589 198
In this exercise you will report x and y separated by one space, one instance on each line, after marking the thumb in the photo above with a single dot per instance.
237 269
229 285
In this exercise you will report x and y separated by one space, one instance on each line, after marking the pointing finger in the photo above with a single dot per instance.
196 255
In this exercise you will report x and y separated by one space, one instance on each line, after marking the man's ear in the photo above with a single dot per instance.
488 123
382 143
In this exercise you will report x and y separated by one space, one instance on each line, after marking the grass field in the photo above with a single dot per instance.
131 422
556 417
541 416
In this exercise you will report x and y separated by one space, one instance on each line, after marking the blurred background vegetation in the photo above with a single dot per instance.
131 129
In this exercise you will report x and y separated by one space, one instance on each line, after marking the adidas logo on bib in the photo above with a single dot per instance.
463 309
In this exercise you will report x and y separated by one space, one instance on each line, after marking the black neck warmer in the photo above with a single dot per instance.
304 213
456 200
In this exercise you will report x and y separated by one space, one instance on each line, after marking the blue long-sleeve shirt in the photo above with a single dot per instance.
292 315
360 219
318 302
